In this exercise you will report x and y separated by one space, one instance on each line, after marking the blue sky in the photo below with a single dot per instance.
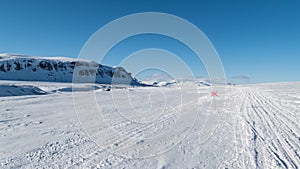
257 41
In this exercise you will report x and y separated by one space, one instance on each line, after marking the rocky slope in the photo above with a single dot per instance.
60 69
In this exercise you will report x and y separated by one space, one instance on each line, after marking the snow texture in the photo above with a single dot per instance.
257 128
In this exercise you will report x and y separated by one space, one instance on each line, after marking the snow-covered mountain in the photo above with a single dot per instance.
171 83
164 83
60 69
203 83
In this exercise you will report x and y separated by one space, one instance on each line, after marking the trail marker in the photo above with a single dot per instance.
214 94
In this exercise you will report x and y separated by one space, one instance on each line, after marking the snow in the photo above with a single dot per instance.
60 69
145 127
56 58
12 90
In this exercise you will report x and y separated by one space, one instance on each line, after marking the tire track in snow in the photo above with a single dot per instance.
240 130
262 113
291 152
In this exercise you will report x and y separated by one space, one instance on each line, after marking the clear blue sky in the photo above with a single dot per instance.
257 41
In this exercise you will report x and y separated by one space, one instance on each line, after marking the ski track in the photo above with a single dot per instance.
257 128
273 130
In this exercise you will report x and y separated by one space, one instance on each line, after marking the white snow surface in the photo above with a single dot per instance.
46 125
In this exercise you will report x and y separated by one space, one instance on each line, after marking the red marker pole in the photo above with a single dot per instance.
214 94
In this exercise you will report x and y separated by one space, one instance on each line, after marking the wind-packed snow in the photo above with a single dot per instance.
257 128
12 90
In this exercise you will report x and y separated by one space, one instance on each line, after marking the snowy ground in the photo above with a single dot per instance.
48 125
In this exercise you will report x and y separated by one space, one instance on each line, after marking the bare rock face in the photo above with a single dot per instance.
60 69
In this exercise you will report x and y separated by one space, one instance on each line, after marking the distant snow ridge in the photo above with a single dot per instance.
165 83
60 69
203 83
13 90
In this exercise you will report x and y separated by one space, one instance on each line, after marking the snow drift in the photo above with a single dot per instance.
13 90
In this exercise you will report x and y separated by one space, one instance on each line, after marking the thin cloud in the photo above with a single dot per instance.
157 77
241 77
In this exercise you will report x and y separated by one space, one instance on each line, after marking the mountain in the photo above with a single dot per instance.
61 69
165 83
169 83
203 83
